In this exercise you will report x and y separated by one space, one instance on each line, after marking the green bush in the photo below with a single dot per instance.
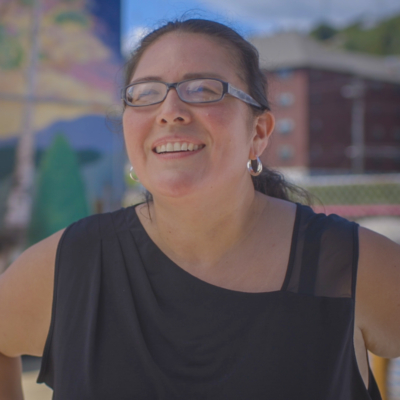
60 193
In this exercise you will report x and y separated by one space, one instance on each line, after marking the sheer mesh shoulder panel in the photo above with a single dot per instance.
326 256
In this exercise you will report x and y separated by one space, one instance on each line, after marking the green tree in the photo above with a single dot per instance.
60 193
323 32
382 39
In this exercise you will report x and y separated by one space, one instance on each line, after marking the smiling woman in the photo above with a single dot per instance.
220 287
238 53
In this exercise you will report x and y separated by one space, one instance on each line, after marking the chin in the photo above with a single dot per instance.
175 187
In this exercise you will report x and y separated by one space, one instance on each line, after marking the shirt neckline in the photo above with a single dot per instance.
208 285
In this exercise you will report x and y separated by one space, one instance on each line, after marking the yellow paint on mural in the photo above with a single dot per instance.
12 82
70 44
10 117
54 84
66 41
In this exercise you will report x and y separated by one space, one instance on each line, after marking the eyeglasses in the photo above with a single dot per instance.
195 91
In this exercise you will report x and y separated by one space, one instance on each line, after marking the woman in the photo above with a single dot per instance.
211 290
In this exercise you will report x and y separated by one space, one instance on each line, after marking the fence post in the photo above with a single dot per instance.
380 368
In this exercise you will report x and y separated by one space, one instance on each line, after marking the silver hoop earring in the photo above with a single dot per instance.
133 175
250 167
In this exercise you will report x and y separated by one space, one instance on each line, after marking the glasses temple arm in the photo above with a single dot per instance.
242 96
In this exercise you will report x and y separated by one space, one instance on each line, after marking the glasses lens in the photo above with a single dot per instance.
146 93
200 90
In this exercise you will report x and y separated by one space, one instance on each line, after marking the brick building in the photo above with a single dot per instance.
336 112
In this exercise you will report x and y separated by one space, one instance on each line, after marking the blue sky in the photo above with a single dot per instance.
251 17
139 14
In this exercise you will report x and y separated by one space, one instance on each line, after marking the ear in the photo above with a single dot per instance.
263 126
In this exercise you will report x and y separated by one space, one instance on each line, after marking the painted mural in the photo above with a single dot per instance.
75 94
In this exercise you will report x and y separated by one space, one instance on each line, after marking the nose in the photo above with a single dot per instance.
173 110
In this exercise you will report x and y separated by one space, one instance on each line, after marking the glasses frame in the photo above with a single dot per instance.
227 88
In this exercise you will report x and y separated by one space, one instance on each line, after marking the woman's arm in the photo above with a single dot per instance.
26 294
378 294
10 378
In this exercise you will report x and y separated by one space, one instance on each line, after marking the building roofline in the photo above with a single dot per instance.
296 50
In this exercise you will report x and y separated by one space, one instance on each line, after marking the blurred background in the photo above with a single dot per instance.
333 68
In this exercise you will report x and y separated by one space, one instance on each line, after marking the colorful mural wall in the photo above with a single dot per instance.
71 89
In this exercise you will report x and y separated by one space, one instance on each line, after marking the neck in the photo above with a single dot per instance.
201 230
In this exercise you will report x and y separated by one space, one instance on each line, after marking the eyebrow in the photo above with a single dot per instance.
191 75
203 75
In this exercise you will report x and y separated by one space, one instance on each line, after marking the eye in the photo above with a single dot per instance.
146 93
197 89
202 88
143 93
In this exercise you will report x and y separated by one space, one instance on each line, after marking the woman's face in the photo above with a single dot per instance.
225 133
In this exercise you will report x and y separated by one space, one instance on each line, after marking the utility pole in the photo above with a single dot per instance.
19 202
356 92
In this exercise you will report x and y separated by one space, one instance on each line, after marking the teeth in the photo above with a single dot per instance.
177 146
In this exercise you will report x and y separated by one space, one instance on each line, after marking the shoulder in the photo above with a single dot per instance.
99 226
316 226
326 253
378 293
325 220
26 292
27 286
334 234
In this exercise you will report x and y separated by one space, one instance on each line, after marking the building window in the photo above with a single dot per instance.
284 73
285 126
286 152
285 99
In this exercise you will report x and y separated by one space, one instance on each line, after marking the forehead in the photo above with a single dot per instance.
179 53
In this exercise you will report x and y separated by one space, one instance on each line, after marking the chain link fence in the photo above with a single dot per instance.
354 196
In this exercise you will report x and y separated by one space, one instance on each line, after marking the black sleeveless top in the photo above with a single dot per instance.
128 323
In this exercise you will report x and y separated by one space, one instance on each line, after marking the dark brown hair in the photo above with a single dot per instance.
246 57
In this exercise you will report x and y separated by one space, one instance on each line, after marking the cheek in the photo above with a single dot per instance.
135 128
219 114
225 118
230 125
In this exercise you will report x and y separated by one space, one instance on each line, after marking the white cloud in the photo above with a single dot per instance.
301 14
132 38
251 17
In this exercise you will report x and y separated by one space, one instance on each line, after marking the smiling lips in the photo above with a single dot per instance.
177 147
